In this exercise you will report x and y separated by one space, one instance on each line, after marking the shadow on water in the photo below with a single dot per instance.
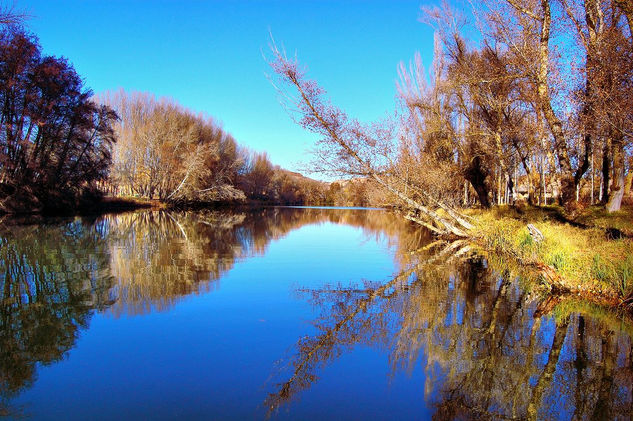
488 345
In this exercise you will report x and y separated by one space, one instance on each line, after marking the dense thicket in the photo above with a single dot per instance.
167 152
54 140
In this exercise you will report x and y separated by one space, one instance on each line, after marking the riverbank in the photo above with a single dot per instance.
84 207
109 204
590 254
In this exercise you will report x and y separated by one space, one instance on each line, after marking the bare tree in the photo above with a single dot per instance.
349 148
10 15
167 152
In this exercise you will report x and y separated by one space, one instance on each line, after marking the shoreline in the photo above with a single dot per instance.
500 231
125 204
579 257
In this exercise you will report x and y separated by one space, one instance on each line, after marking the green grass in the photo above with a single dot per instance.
585 257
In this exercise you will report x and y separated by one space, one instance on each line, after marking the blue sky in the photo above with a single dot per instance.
207 55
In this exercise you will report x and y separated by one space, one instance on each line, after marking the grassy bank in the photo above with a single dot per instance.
591 253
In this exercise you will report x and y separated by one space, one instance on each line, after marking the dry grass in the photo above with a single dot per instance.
584 256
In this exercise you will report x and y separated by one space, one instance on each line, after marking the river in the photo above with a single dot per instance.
289 313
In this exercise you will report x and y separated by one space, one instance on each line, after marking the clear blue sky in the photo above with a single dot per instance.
207 55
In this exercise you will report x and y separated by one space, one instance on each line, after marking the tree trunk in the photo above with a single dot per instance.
546 377
604 404
592 178
567 176
627 8
617 191
580 363
606 171
476 175
594 28
628 182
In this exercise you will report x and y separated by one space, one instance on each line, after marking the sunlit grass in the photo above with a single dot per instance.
597 216
584 256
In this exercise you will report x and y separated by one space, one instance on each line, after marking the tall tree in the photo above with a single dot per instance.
54 139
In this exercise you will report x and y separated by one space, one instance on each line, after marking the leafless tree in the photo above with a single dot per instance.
350 148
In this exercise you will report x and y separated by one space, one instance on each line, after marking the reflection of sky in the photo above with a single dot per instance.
212 353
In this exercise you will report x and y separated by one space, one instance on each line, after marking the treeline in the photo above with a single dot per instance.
62 148
169 153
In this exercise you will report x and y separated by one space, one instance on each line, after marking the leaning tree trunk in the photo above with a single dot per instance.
345 143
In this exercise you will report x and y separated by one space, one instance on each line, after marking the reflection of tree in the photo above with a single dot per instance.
357 315
54 274
159 257
51 278
491 350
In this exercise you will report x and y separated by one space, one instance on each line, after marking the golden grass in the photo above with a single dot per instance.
583 256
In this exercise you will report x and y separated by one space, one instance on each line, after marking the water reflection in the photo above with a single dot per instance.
51 278
489 348
159 257
54 273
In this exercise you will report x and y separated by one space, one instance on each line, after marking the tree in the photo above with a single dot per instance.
55 140
522 105
170 153
257 176
9 16
349 148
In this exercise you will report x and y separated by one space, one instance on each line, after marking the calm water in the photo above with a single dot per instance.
288 314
